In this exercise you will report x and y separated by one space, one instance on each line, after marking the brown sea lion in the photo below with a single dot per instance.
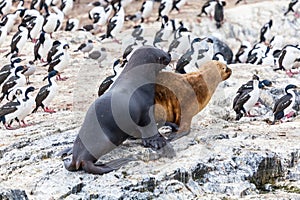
179 97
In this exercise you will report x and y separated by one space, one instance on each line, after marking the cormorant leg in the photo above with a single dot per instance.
8 127
24 124
257 104
59 78
49 110
250 115
290 114
117 41
289 73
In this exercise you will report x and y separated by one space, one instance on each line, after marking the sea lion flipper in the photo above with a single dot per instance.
104 168
155 142
117 163
161 145
90 167
176 135
65 152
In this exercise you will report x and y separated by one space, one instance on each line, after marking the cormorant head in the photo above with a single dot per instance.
137 26
30 89
270 23
56 42
165 19
255 77
265 83
197 40
290 87
183 29
15 59
66 46
51 74
118 61
209 40
18 92
19 68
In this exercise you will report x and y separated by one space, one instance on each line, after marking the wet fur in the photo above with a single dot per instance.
102 132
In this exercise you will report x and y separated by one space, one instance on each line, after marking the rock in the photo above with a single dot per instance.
220 136
146 185
200 170
295 156
263 169
194 187
180 175
74 190
12 194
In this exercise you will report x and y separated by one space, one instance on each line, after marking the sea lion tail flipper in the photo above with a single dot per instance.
90 167
100 169
117 163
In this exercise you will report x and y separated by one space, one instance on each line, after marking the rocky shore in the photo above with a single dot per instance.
220 159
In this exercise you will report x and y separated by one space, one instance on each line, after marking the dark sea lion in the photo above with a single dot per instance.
125 110
179 97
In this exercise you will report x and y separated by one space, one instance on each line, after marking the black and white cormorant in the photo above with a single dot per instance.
284 106
47 93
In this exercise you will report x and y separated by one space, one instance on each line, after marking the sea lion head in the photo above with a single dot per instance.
224 71
150 56
215 71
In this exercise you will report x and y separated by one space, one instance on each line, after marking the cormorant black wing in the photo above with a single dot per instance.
5 72
54 62
8 108
105 85
246 86
184 60
15 41
42 94
111 25
9 84
282 103
174 44
81 46
239 102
